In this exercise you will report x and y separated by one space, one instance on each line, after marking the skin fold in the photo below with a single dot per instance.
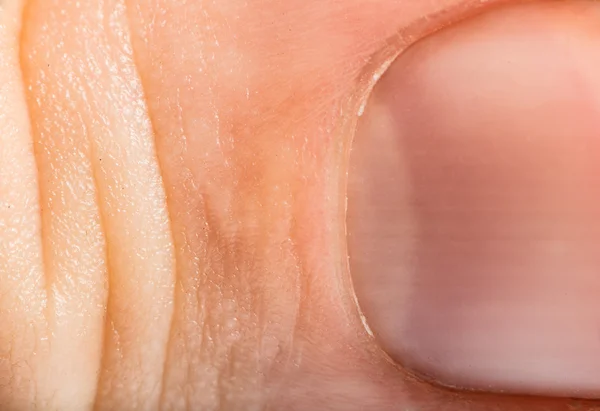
172 205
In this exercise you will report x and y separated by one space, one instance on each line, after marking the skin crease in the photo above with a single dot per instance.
171 209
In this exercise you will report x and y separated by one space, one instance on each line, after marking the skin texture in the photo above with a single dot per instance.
172 205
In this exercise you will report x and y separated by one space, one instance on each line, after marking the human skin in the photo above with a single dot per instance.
172 205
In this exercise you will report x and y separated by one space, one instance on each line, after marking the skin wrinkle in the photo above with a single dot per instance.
307 116
21 267
284 168
243 144
221 379
251 106
161 397
59 221
158 384
132 318
103 224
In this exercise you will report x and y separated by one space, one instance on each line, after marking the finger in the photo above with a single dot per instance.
22 282
250 122
106 225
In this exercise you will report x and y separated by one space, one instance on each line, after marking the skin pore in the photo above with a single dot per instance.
172 196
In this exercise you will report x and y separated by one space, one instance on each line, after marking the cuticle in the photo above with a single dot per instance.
374 69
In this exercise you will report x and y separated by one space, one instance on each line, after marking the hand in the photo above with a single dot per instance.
172 197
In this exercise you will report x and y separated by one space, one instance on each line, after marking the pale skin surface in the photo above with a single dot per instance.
172 205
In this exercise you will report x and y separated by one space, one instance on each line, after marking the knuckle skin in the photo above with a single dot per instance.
216 270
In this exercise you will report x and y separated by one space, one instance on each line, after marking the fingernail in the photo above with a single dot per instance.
474 203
